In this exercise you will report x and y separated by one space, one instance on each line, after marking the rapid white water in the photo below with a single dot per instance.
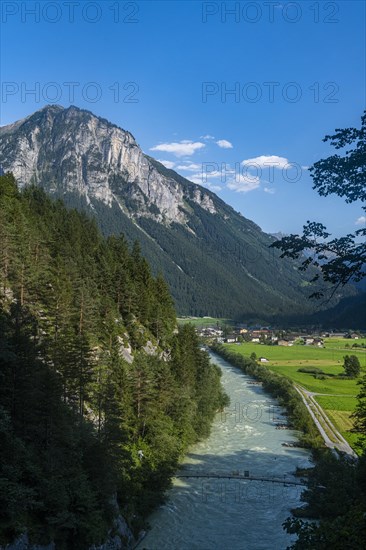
221 514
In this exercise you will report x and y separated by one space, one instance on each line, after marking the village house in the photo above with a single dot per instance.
231 339
262 332
283 342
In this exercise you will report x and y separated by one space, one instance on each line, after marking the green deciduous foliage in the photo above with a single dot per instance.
346 532
351 365
343 259
359 416
336 493
336 498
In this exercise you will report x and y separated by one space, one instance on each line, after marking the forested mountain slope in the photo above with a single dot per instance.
99 392
204 248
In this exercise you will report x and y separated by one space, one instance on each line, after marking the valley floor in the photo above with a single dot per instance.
333 399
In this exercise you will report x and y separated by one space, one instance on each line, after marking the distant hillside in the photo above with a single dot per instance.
350 313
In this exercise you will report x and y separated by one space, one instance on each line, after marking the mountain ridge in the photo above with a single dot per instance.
216 261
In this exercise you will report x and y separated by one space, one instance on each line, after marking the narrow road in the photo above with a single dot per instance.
331 436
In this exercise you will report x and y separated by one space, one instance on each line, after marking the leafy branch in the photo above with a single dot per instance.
339 260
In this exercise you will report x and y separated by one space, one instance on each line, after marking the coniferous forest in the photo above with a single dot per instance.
100 393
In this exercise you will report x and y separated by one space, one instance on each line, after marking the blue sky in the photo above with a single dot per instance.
236 96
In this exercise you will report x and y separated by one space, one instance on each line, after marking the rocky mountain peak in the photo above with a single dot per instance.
72 150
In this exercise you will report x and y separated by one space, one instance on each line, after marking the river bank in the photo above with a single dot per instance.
215 513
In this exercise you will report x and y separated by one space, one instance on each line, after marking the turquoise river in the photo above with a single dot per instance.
234 514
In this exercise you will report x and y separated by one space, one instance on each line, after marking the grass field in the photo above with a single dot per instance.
337 403
340 399
339 410
328 355
344 424
341 343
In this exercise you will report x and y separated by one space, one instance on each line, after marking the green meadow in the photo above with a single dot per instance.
340 399
343 343
337 403
339 410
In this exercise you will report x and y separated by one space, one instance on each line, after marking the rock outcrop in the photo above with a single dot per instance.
79 152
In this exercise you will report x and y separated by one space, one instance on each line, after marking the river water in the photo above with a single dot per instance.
223 514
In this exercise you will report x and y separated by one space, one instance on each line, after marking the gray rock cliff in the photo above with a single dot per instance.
79 152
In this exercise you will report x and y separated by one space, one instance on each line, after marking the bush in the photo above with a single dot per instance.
311 370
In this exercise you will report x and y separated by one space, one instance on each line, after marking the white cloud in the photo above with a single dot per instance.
207 136
211 186
196 178
204 171
215 174
270 190
224 144
244 184
202 177
190 167
264 161
167 163
361 220
179 149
